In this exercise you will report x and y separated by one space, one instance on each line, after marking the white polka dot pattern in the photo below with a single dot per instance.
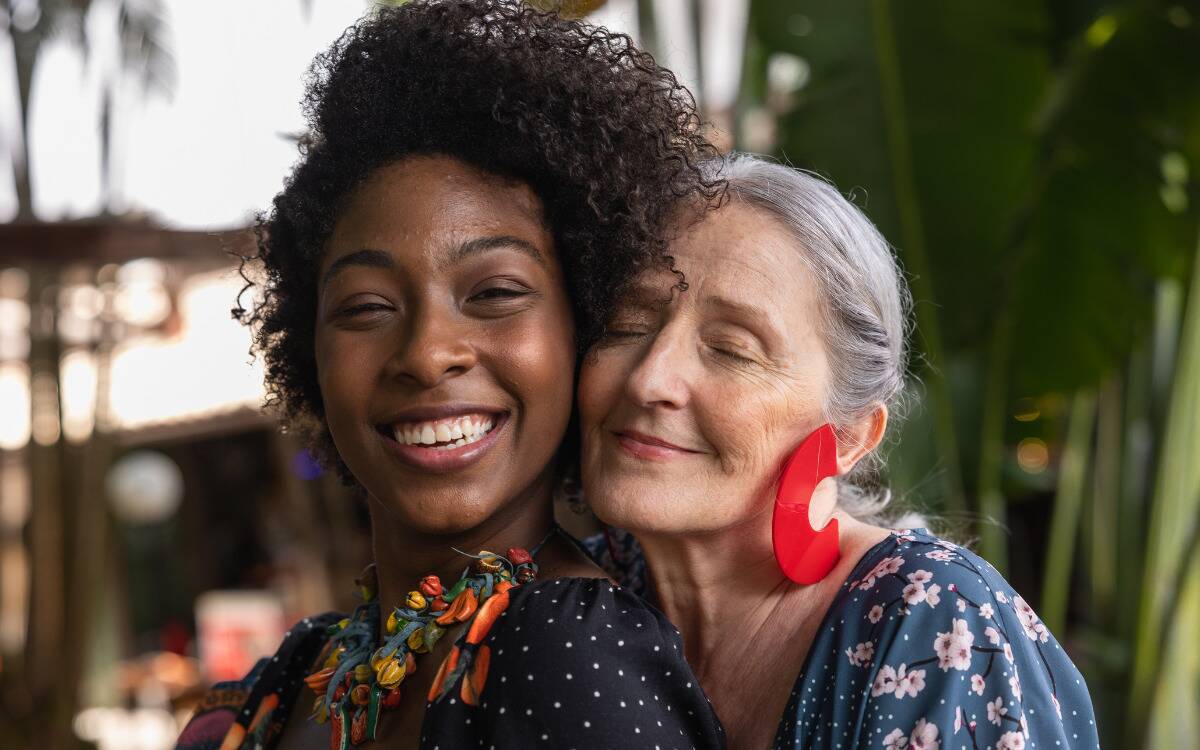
581 663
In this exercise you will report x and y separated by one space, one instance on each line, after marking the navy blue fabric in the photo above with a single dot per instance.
924 647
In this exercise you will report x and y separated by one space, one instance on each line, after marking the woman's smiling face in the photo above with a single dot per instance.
444 342
691 406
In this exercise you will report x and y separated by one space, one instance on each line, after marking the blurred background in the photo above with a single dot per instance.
1033 161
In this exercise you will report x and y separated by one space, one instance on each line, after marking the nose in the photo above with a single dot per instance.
659 379
435 349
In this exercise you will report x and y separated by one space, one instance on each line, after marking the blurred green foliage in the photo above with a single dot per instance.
1034 163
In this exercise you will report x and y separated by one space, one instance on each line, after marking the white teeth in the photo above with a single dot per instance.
446 434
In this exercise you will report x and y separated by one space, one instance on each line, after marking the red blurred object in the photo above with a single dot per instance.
805 555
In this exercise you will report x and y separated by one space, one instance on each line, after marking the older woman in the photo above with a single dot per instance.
783 350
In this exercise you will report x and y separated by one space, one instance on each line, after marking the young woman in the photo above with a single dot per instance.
479 182
725 424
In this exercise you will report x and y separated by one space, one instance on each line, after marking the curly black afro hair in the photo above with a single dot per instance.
607 139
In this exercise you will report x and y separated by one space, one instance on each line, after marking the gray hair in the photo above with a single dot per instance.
865 302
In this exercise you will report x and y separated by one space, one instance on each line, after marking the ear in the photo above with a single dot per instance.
857 440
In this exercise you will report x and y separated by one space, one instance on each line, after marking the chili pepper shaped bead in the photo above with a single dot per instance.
415 601
416 642
382 654
334 657
460 609
476 677
393 623
456 589
438 604
519 556
318 712
360 694
431 586
431 634
487 563
391 672
319 680
391 698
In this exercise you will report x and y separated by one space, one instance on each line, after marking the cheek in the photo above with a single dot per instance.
344 372
600 379
755 424
538 360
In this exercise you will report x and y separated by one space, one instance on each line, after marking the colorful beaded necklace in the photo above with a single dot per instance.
355 681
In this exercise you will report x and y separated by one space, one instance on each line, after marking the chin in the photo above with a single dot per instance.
642 507
628 506
438 513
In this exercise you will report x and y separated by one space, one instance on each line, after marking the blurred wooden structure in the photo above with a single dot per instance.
62 530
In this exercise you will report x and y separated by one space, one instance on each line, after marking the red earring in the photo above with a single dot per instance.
805 555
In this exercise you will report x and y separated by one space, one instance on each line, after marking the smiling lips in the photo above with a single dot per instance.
444 434
648 447
445 444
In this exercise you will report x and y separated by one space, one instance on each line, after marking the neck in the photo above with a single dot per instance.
403 554
715 583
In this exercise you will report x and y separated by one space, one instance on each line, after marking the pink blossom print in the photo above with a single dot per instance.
927 646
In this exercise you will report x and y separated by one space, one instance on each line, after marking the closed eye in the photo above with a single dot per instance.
499 293
612 333
732 356
366 307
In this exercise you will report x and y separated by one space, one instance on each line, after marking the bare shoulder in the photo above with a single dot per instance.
564 559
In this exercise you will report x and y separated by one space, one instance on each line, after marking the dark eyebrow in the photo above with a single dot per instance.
495 242
367 257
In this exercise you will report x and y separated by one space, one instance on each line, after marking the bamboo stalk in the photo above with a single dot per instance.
993 527
1103 510
1135 487
912 232
1172 516
1068 501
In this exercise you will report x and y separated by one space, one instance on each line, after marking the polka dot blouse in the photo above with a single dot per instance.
576 663
580 663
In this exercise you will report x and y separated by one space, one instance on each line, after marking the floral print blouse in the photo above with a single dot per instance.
925 647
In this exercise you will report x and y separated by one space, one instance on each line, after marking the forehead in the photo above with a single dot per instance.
745 255
436 197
